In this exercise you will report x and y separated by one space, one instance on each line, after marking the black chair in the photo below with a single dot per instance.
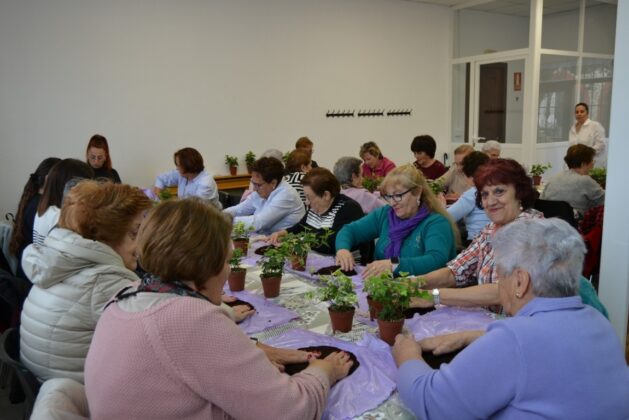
225 199
24 378
560 209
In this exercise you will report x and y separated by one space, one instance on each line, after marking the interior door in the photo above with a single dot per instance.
492 101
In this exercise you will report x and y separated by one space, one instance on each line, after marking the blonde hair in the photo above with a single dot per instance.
410 177
185 240
102 212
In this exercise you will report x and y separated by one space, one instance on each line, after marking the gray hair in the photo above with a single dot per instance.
274 153
345 167
550 250
491 145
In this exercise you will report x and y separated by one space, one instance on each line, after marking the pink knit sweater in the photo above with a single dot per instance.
185 359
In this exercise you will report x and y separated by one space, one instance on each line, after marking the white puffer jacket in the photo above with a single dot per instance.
73 279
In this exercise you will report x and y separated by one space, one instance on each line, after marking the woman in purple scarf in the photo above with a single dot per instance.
414 231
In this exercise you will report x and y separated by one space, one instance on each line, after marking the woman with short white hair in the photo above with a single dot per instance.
555 358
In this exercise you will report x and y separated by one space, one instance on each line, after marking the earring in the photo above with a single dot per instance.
419 202
518 295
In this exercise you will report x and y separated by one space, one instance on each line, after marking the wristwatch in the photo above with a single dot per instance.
436 297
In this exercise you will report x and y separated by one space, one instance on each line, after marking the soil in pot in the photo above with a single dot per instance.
271 286
389 329
297 263
236 280
410 312
326 271
341 320
242 244
374 308
263 249
436 361
240 302
325 351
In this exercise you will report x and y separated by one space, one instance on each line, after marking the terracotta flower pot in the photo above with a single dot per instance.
341 320
297 263
236 279
389 329
271 286
233 170
242 244
374 308
537 179
249 169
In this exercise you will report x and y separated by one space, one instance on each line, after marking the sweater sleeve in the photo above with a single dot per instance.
438 241
463 206
460 389
367 228
167 179
216 360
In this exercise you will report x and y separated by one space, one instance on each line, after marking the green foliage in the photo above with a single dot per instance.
299 244
394 293
338 290
538 169
435 186
231 160
235 260
165 194
285 157
241 231
599 175
371 183
273 262
250 158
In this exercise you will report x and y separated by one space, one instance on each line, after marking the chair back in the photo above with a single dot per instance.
560 209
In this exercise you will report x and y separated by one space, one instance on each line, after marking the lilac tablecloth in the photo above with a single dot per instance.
370 385
446 319
268 314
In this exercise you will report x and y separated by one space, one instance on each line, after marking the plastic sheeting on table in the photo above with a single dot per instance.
449 319
268 314
370 385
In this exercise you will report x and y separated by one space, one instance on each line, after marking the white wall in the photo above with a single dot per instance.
225 76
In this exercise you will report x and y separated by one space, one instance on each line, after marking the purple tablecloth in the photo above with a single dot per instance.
268 314
446 319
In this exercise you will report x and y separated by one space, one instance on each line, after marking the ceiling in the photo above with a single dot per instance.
514 7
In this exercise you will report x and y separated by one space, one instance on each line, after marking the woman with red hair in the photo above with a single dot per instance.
97 155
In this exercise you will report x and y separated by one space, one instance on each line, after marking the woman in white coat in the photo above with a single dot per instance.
588 132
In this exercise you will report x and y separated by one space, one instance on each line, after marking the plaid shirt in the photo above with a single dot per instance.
475 265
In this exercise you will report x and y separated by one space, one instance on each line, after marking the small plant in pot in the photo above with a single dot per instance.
537 170
272 269
232 163
297 246
395 296
599 175
240 236
371 183
435 186
237 273
338 290
250 159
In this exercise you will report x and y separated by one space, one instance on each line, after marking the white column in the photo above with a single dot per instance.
614 281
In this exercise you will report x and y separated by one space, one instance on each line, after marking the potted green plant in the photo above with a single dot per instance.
435 186
250 159
165 194
272 269
338 290
232 163
537 170
371 183
237 272
599 175
240 236
395 296
285 157
297 246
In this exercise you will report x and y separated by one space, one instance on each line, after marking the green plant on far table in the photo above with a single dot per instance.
394 293
371 183
250 158
599 175
285 157
165 194
435 186
231 160
338 290
272 262
297 245
241 231
538 169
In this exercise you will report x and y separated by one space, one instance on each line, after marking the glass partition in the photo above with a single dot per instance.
460 102
600 29
596 88
557 94
560 25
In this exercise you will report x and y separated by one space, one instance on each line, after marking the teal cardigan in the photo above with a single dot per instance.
428 247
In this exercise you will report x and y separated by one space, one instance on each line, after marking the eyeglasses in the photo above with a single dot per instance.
396 197
257 186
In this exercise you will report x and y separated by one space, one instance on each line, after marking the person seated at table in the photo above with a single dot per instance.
306 145
555 358
347 171
97 156
506 193
297 166
415 233
22 234
190 176
375 164
169 339
576 186
491 148
78 269
49 206
465 207
267 153
327 209
454 181
274 204
424 148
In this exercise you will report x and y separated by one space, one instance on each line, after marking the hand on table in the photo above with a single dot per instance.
448 343
228 298
405 348
280 357
274 238
345 259
377 267
336 365
417 302
156 191
242 312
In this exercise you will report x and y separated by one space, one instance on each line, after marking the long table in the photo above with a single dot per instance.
314 317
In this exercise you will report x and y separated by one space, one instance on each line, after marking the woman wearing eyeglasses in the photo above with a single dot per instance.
97 155
415 234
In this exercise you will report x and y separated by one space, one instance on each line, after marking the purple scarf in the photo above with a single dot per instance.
400 228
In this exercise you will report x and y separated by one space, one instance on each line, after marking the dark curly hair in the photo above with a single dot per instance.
507 172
